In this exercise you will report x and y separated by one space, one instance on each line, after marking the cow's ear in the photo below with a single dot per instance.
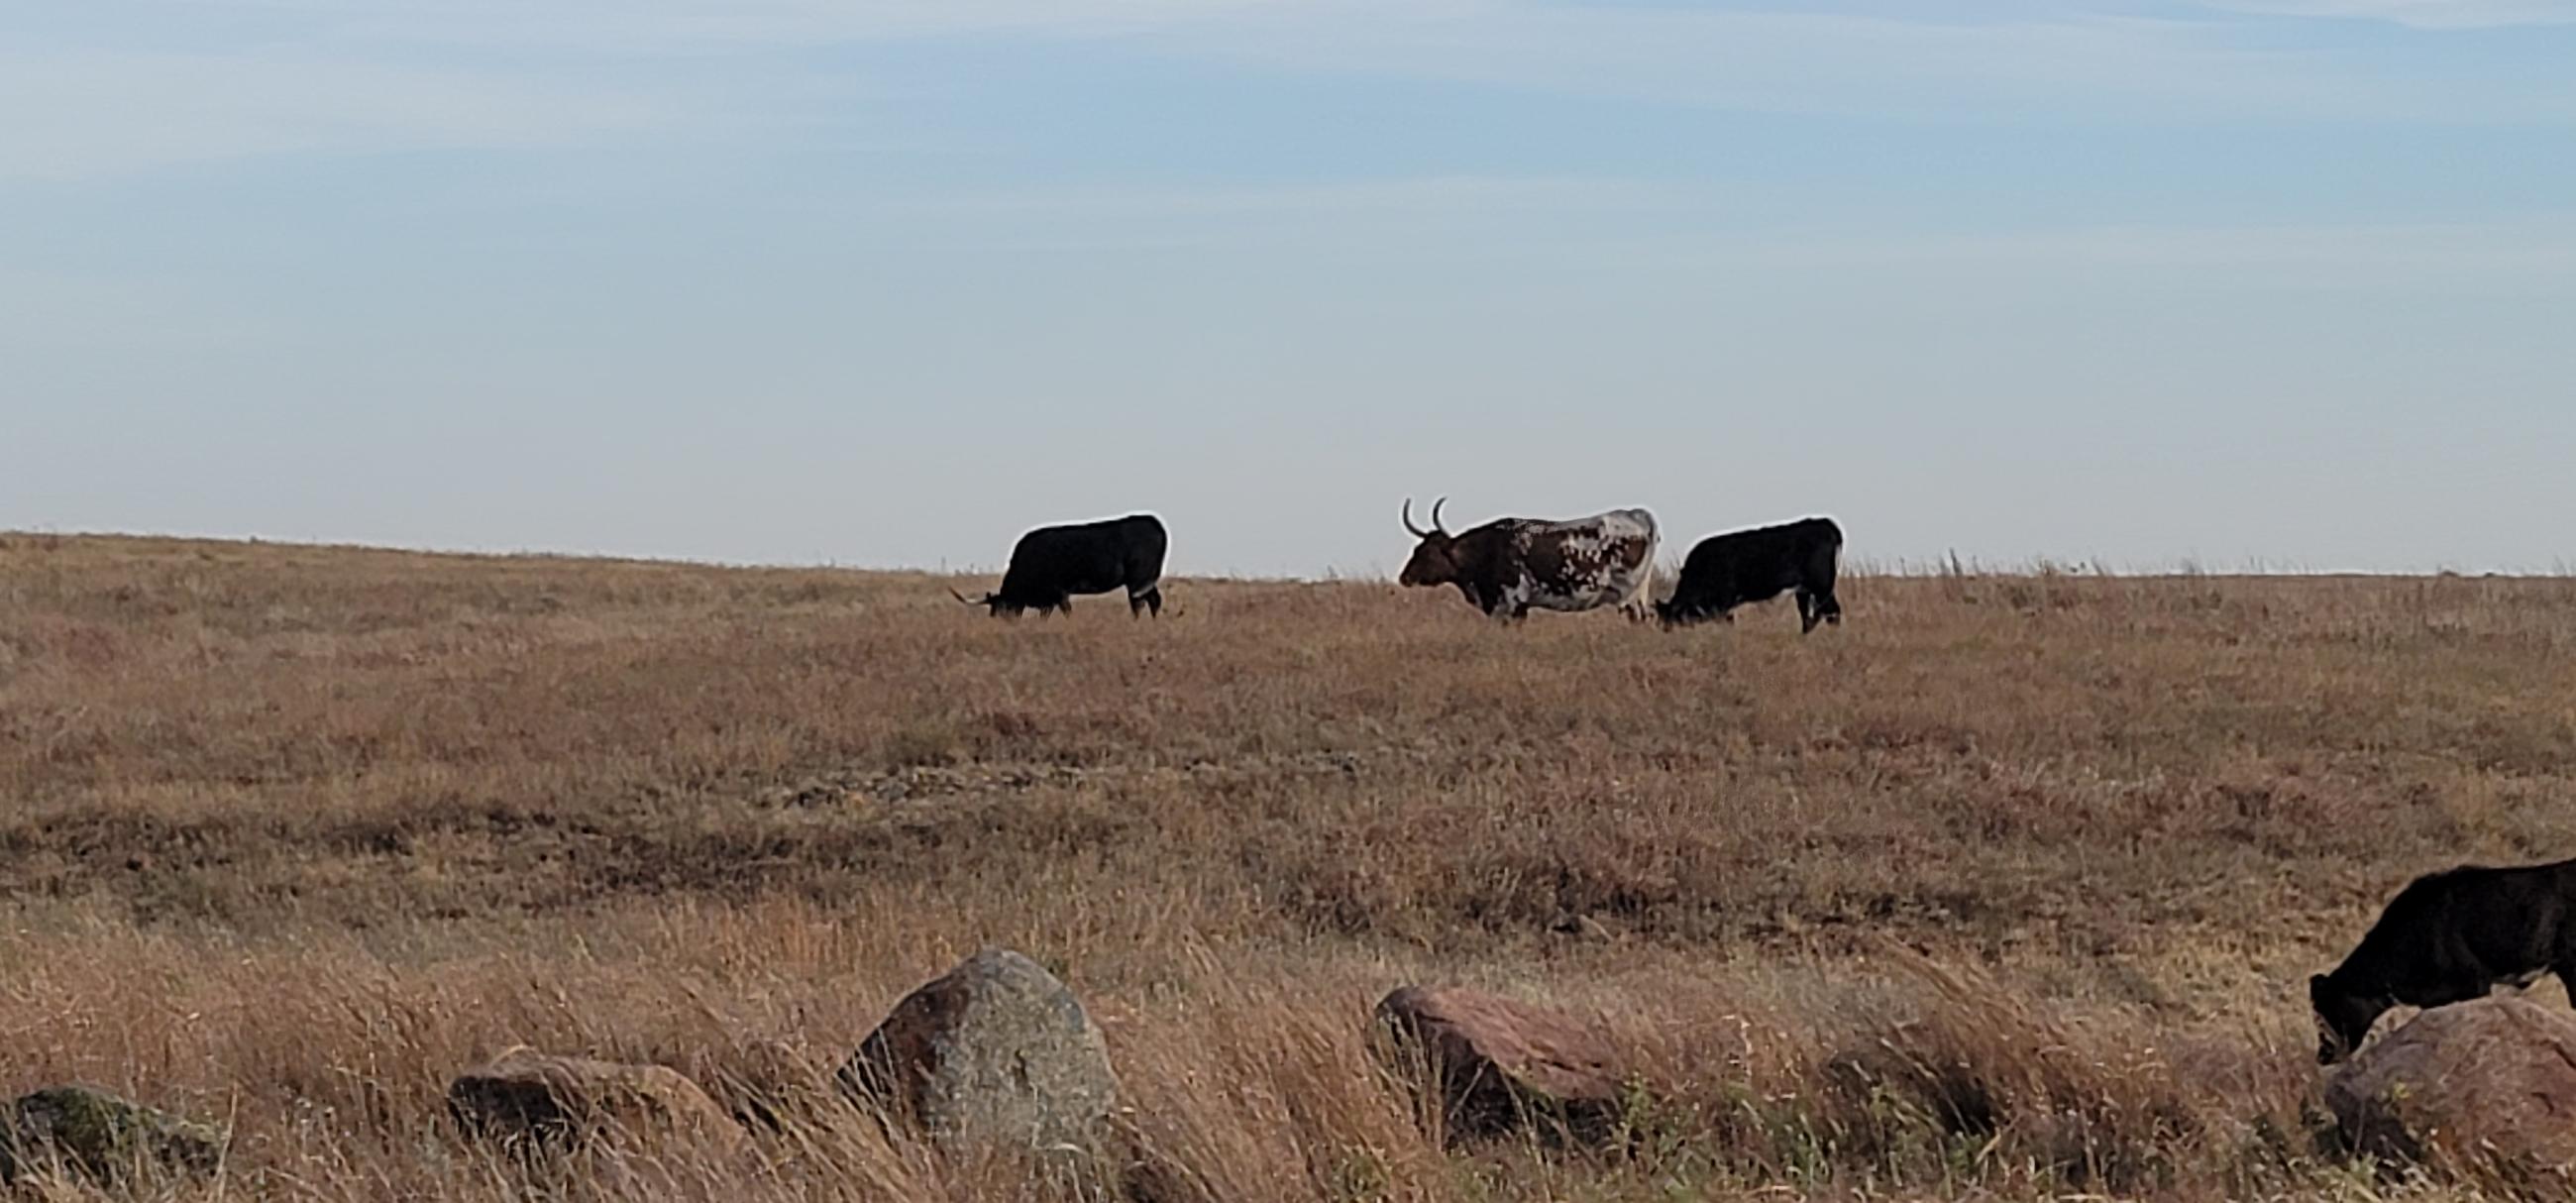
2316 984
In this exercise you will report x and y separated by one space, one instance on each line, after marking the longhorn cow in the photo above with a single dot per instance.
1510 566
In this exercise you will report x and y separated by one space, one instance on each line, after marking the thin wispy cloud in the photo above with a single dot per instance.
2419 14
1573 222
85 113
52 311
284 76
1433 195
2519 251
1946 65
628 24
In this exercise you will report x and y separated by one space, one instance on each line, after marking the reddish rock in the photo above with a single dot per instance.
1500 1064
540 1098
2489 1085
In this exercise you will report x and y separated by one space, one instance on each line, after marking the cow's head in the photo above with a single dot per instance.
993 603
1435 560
2343 1017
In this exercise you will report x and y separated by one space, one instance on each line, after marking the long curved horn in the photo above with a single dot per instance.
1409 527
952 592
1435 515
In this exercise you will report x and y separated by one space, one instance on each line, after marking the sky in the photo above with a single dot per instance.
2141 283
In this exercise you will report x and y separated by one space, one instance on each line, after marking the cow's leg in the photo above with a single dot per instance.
1822 572
1151 599
1641 602
1806 612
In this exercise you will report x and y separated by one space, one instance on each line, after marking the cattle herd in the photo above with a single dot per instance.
1506 567
2447 937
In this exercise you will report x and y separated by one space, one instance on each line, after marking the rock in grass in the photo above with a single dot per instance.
539 1099
1499 1065
996 1054
2484 1085
98 1134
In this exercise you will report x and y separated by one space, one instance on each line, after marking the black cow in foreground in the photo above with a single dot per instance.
2450 937
1729 570
1052 563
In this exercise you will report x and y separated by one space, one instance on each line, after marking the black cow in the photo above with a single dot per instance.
1052 563
1726 571
2450 937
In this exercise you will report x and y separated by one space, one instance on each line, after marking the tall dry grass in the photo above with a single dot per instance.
2004 888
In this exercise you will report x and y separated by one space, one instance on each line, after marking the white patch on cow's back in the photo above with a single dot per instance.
1621 546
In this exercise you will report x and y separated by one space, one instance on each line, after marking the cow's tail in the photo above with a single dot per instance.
1640 605
1829 570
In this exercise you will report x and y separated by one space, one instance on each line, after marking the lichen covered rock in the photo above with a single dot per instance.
92 1132
997 1053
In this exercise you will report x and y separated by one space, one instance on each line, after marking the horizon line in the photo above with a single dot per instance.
1948 564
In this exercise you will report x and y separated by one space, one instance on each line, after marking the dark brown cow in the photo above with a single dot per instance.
1510 566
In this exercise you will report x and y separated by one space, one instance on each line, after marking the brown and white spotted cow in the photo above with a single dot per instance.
1510 566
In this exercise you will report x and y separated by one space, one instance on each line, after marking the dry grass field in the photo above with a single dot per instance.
2005 889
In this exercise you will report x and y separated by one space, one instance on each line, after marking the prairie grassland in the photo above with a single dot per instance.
2006 888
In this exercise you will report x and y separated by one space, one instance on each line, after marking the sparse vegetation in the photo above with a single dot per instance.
2007 888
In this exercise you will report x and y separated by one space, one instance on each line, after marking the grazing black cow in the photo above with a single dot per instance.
1726 571
2450 937
1509 566
1052 563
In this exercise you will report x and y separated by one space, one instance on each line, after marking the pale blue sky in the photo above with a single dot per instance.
886 283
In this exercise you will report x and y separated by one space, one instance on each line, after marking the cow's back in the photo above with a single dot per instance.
1606 559
1609 526
1144 534
2471 924
1086 557
2516 918
1143 543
